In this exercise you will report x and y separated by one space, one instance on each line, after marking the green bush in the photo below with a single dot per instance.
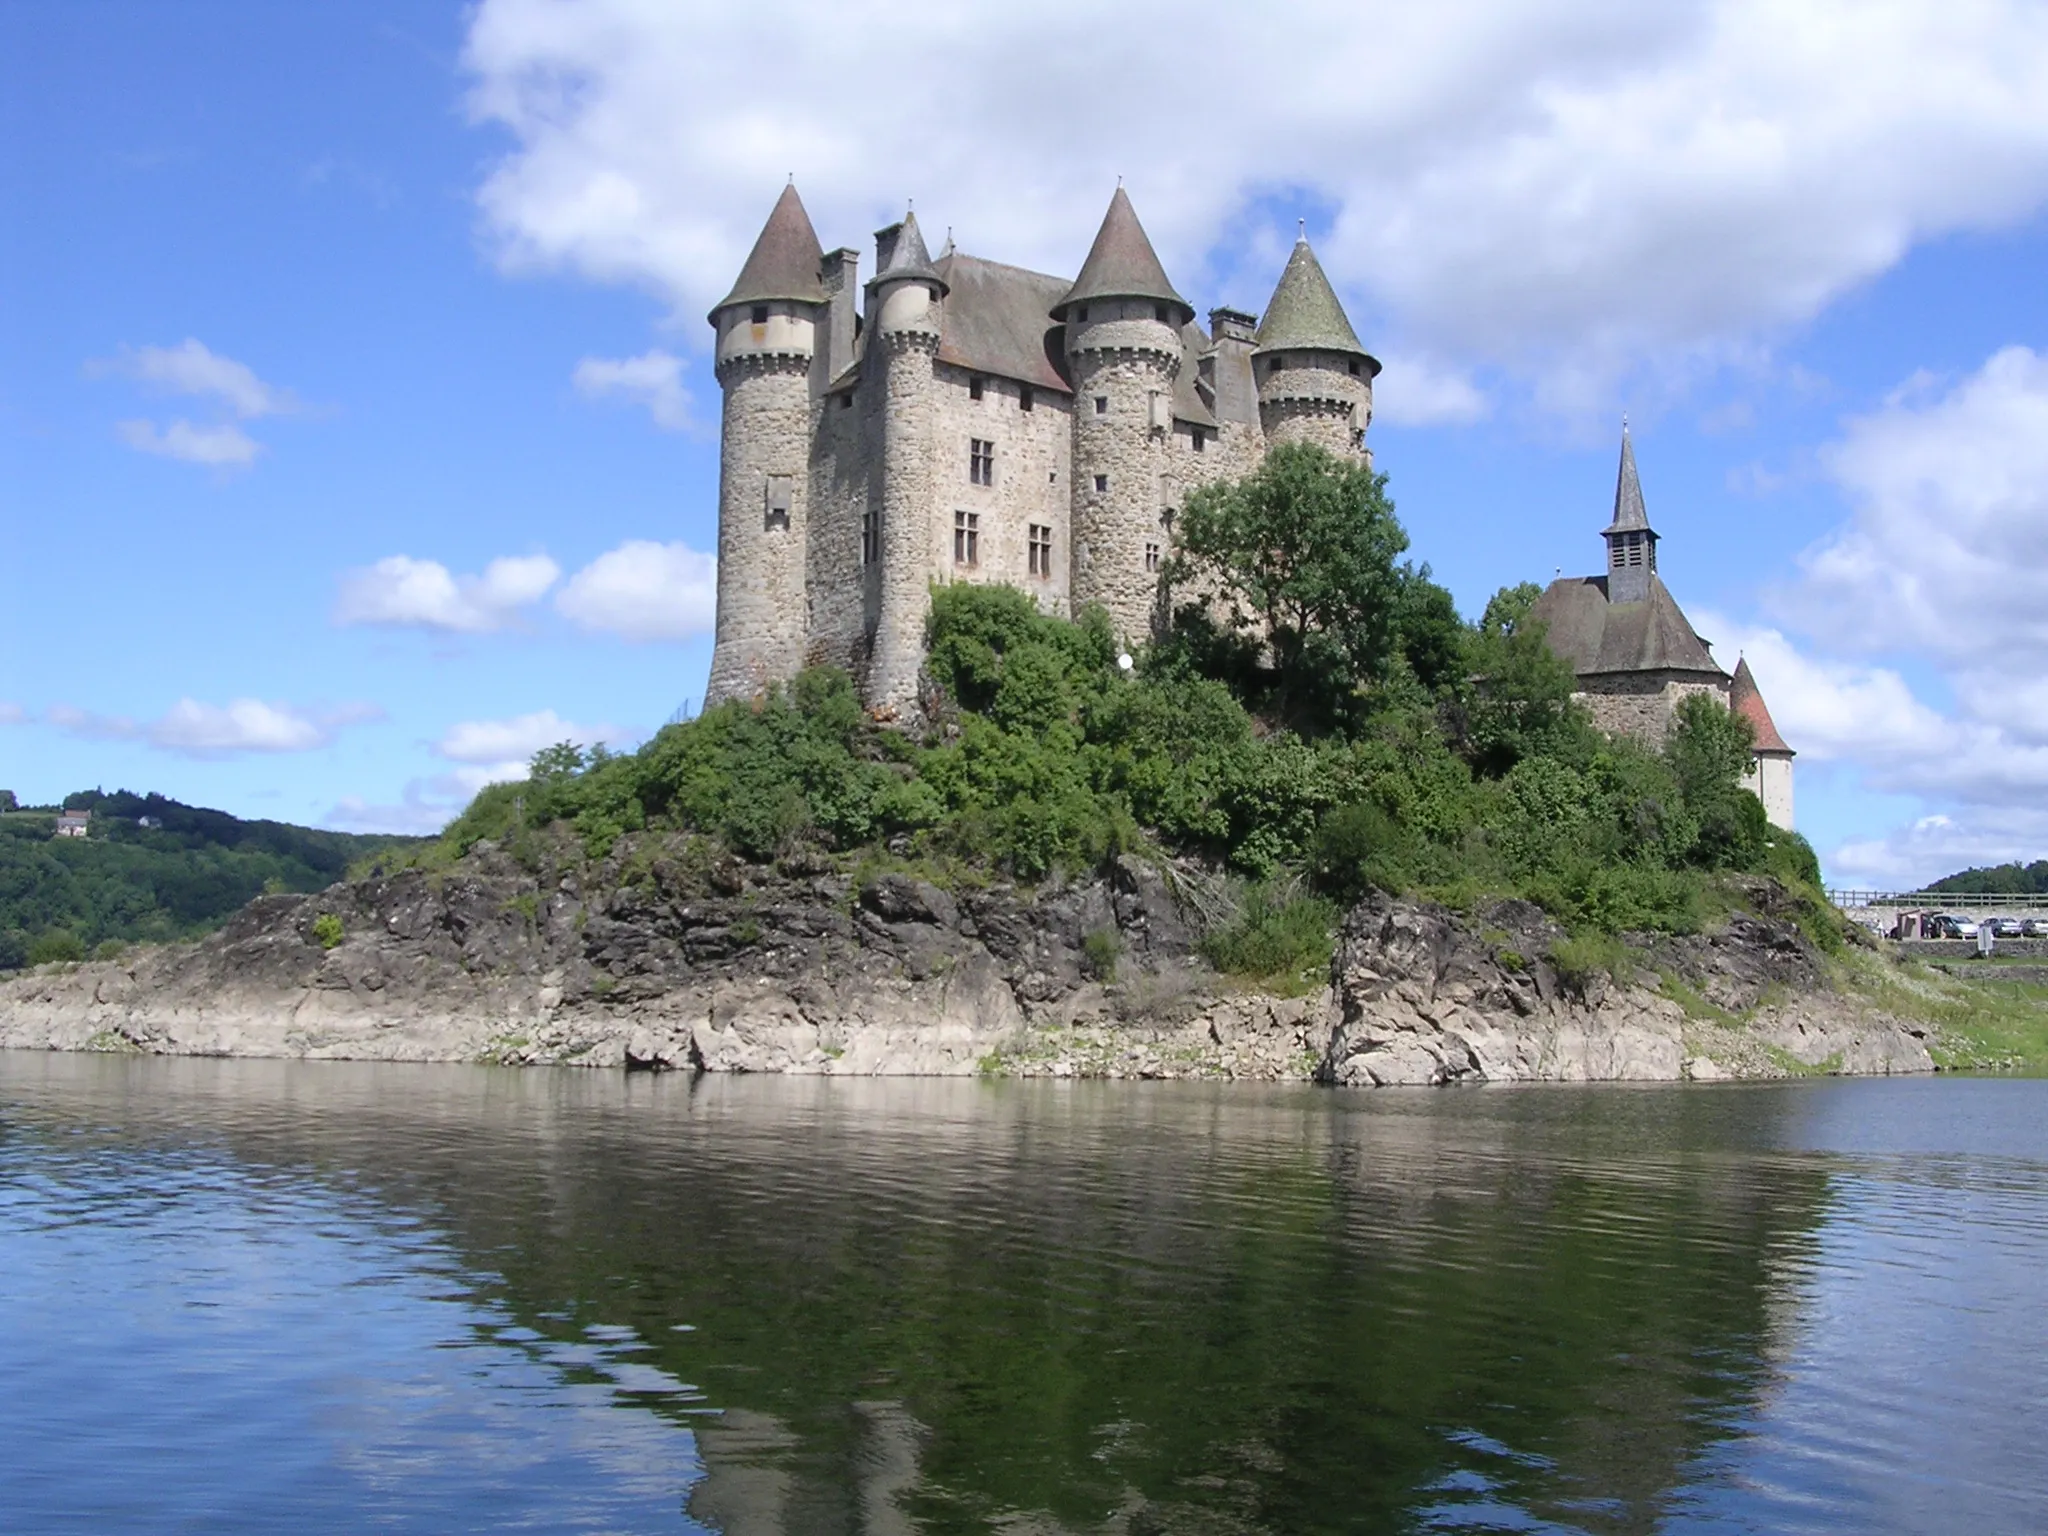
58 946
1283 940
327 930
1582 958
1100 952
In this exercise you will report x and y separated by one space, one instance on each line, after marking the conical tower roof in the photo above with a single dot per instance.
1745 700
785 260
1304 311
1629 513
1122 265
907 256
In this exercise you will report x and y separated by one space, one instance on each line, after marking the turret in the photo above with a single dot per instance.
903 329
1631 541
767 330
1314 379
1123 340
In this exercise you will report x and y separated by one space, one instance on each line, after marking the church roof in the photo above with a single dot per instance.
1745 700
907 254
1122 264
997 319
1304 311
1629 513
1597 636
785 260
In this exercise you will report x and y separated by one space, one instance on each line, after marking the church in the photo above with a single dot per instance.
1636 654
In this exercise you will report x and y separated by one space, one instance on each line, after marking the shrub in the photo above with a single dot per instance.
1100 952
327 930
57 946
1276 939
1581 958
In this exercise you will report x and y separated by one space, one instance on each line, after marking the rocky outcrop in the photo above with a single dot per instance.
666 957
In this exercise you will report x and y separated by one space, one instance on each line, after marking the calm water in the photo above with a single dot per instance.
249 1296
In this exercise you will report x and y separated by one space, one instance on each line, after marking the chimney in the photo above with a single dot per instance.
841 276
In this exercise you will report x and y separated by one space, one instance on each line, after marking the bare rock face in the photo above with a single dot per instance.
660 961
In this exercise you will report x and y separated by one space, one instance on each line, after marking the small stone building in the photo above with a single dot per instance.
1636 654
959 419
74 824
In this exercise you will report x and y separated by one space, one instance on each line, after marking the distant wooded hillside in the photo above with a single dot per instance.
150 869
1998 880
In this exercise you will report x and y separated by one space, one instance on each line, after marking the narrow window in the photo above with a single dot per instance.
1081 313
1101 483
1151 557
1025 399
1276 365
967 538
1354 367
870 536
974 388
1052 477
846 401
1195 439
981 461
760 314
1041 550
1159 314
778 502
1102 405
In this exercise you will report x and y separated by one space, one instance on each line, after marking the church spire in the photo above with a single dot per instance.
784 261
1631 541
1122 265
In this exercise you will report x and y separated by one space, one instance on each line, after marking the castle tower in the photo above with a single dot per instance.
1631 541
1769 776
1123 341
767 328
903 324
1314 379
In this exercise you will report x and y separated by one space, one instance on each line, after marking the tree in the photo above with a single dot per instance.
7 801
1708 752
1519 700
1301 552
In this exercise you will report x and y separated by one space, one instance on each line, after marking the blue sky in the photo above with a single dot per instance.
426 283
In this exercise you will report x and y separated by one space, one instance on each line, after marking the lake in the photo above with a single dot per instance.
259 1295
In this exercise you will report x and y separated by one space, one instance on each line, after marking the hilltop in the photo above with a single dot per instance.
151 869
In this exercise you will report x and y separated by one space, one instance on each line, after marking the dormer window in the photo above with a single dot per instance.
759 315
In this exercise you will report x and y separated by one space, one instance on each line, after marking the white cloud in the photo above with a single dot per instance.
1562 187
194 729
1947 550
645 591
415 816
653 379
504 747
11 714
1419 392
192 368
403 592
224 446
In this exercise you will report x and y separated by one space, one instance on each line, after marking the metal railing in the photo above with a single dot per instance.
1939 901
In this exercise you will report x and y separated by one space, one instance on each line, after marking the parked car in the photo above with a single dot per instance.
2034 928
2006 928
1947 925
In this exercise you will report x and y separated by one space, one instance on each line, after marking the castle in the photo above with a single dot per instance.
1636 656
961 420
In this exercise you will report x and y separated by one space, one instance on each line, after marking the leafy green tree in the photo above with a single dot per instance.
1519 700
1302 553
1708 751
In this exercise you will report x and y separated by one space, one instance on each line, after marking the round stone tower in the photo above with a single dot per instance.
903 300
1314 379
1123 340
767 330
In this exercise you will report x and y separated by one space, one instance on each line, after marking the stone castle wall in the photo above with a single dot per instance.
761 630
902 366
1033 482
1323 398
1642 704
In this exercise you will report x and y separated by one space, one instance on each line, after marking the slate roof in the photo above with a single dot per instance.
1188 404
1122 264
997 319
1304 311
784 261
1597 636
1746 701
1629 513
907 257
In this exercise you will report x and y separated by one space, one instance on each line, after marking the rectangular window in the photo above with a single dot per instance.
778 501
1151 557
759 315
1102 405
1041 550
1196 440
981 461
1354 368
967 538
870 537
1081 313
1101 484
974 388
1025 399
846 401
